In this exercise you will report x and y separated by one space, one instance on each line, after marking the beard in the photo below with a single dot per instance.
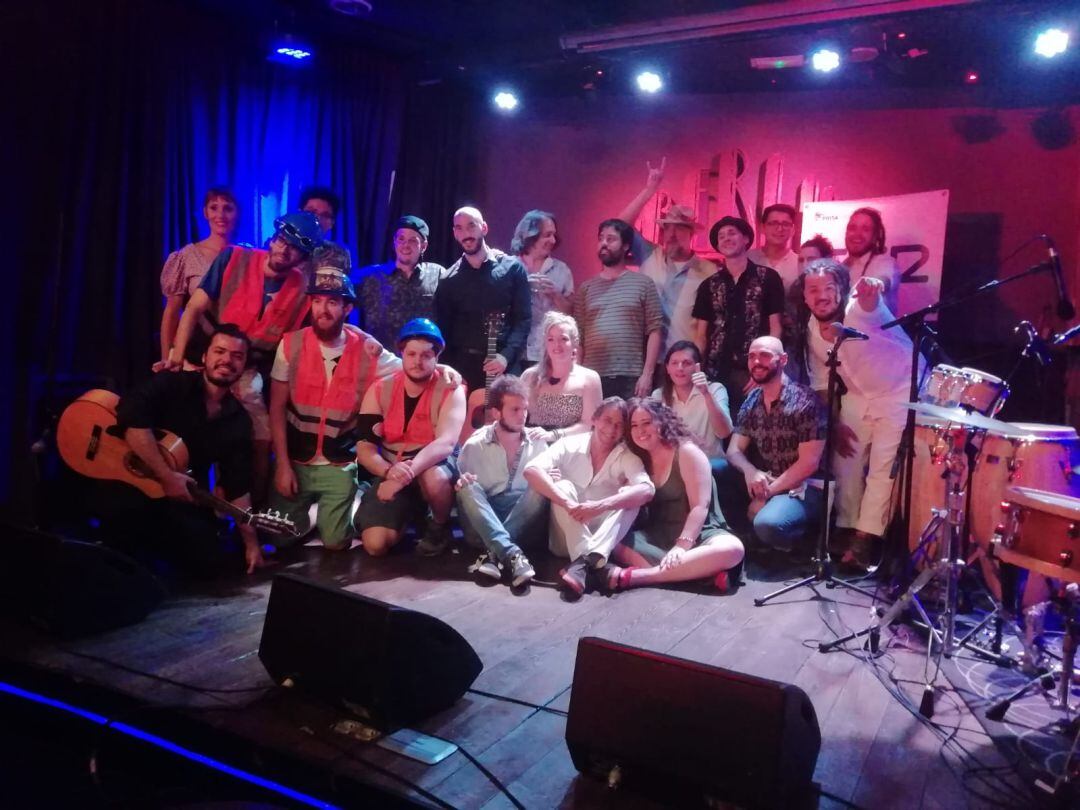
329 333
835 314
609 259
224 380
474 248
423 378
764 375
509 428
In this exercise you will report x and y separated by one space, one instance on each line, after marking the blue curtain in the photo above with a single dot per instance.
123 113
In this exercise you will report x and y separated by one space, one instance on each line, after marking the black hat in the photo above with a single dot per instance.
736 222
412 223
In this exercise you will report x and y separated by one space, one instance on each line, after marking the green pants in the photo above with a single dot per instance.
333 488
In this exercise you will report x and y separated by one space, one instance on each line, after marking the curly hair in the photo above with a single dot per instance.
878 244
528 231
798 342
669 425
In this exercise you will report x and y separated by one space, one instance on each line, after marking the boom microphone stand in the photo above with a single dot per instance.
823 569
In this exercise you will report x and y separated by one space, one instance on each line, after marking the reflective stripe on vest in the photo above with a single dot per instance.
241 299
397 437
318 413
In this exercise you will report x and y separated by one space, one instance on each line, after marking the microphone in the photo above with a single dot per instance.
1034 346
1065 309
847 333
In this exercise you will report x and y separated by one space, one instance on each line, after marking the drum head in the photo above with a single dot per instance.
1051 503
1047 433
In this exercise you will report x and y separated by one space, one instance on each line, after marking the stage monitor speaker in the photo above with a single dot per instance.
70 588
392 666
690 733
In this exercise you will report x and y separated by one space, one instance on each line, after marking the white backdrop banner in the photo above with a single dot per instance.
915 237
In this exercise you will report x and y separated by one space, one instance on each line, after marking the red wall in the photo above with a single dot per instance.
584 161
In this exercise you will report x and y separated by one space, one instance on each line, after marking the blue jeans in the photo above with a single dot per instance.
782 523
490 521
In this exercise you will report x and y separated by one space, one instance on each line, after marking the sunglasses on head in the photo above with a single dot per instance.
293 232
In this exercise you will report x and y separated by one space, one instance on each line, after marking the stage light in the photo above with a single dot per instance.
971 77
293 53
649 82
825 60
505 100
288 50
1051 42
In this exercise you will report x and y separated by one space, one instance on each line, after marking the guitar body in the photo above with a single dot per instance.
88 443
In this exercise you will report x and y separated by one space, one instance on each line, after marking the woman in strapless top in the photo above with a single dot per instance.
562 394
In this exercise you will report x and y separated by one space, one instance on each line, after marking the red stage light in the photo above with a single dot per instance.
971 77
901 35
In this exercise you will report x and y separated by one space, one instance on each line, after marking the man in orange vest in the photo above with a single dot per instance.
319 378
262 292
418 420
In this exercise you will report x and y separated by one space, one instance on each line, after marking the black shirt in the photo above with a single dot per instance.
467 295
174 401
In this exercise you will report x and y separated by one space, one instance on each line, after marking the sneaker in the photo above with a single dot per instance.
435 540
521 570
573 577
486 566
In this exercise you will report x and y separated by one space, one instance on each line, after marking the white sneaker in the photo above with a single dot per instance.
521 570
487 566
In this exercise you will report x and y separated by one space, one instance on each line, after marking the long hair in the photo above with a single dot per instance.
667 387
878 245
528 231
554 318
671 428
799 343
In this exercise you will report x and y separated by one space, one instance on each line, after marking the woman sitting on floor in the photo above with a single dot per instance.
562 394
700 404
682 536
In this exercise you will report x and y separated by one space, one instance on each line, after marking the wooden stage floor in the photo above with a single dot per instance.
875 753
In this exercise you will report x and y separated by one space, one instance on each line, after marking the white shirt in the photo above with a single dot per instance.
787 265
880 265
695 413
677 285
563 280
571 457
484 457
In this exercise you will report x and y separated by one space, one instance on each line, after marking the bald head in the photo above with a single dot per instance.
470 230
766 359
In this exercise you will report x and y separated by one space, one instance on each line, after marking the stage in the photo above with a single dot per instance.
875 752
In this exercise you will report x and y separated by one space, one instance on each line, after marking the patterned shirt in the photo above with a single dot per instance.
737 312
386 300
615 316
796 417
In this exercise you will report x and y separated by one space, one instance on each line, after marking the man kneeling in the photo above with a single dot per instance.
495 503
421 418
596 486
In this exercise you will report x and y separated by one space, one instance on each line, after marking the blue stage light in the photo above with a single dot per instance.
1051 42
289 50
293 53
505 100
649 82
825 60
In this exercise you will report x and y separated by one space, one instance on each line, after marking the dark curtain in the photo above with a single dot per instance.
119 115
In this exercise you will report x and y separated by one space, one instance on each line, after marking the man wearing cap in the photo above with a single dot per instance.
672 265
319 378
392 294
741 302
484 281
413 422
262 292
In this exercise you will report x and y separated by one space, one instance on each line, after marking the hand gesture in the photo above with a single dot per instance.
285 480
656 175
372 347
673 559
757 484
465 480
868 291
450 377
495 365
401 472
168 364
541 284
699 380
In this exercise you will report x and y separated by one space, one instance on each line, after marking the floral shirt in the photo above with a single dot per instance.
796 417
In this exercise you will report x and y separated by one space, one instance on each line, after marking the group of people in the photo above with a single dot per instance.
604 427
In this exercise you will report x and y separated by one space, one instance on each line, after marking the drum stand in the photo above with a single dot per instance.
950 524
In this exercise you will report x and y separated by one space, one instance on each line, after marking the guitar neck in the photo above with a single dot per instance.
241 516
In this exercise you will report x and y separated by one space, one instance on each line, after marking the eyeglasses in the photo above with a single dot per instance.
290 230
782 224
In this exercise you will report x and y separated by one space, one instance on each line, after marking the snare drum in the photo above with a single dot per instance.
1041 533
1041 460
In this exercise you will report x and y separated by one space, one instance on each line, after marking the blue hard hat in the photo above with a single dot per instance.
421 328
330 281
300 229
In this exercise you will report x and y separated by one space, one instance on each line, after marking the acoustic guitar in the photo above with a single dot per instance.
477 410
91 445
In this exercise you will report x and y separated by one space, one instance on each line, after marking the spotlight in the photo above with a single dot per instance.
293 53
971 77
825 60
505 100
649 82
287 50
1051 42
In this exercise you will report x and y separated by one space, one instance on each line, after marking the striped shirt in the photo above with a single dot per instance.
615 315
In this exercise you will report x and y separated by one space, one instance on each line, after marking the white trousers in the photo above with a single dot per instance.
864 490
569 538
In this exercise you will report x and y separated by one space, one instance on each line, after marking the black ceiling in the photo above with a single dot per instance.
518 43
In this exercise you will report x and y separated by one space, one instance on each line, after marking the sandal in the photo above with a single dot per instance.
727 581
616 578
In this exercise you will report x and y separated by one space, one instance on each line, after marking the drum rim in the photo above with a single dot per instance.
1046 501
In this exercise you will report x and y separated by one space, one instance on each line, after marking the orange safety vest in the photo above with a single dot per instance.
241 300
405 440
320 417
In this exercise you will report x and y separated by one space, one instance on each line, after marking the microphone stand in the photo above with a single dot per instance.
823 568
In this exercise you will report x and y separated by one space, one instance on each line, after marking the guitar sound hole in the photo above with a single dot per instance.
135 465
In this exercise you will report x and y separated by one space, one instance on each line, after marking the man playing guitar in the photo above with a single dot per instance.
199 408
